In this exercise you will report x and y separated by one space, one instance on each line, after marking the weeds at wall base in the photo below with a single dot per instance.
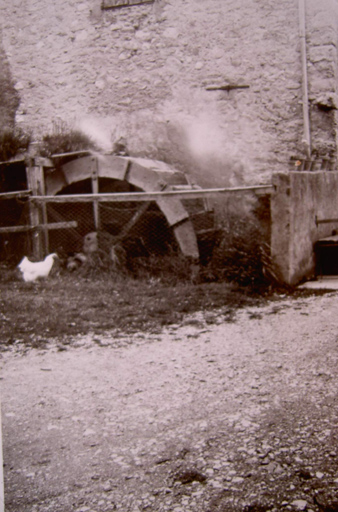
65 142
62 139
13 142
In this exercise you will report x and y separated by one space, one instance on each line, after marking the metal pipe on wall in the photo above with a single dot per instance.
305 97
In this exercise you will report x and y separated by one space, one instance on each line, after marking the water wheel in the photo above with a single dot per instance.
153 224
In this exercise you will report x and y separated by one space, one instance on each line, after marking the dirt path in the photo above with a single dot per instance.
201 418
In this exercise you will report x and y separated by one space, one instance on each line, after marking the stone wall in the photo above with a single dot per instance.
321 23
301 198
9 97
143 73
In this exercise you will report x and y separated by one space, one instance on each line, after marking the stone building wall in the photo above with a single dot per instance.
144 74
321 23
9 97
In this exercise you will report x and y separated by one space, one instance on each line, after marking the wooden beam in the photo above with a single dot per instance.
54 225
6 163
43 162
149 196
15 229
115 4
131 223
15 195
227 87
59 225
325 221
72 153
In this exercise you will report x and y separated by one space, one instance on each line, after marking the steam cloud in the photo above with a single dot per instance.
214 148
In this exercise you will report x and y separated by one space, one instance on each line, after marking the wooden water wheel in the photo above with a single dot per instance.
156 224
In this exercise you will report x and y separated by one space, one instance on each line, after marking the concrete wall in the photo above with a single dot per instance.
142 73
300 198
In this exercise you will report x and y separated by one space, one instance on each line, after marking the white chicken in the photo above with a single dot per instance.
33 270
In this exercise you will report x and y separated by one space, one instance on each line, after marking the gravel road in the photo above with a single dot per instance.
208 416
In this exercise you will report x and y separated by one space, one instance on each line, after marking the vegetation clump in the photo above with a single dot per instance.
241 256
170 269
64 139
13 142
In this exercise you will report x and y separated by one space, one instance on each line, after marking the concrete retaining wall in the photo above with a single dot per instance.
299 199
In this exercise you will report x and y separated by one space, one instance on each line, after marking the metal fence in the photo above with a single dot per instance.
90 225
113 224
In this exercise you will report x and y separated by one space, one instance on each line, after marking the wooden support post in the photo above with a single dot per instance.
95 190
44 214
35 182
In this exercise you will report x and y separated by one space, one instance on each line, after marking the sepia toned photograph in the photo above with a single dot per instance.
168 256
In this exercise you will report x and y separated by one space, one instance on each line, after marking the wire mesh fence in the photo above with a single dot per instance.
13 244
137 229
136 236
78 227
133 215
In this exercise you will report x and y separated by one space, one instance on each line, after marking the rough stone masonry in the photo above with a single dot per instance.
212 84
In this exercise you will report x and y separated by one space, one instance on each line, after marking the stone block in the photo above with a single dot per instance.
323 52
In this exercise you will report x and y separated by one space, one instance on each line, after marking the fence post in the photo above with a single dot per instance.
95 190
44 213
35 184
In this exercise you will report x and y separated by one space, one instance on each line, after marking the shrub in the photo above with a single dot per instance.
64 139
241 255
13 142
170 269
